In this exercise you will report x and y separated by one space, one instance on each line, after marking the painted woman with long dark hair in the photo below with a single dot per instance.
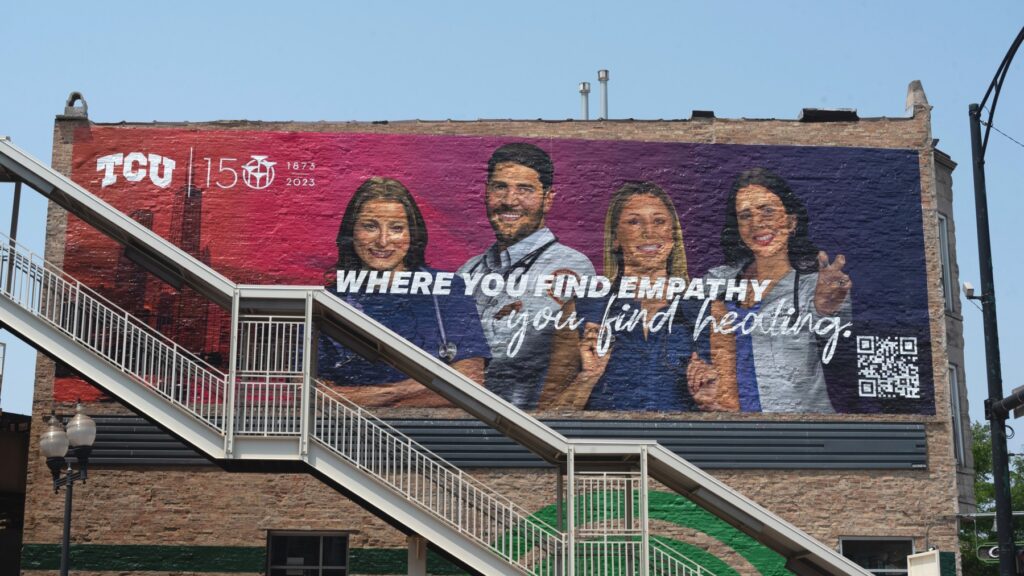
383 230
765 238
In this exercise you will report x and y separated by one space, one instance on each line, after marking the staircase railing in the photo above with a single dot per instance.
269 376
664 561
427 480
268 399
609 556
268 404
620 556
112 333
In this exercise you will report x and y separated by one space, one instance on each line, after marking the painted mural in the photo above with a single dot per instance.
580 275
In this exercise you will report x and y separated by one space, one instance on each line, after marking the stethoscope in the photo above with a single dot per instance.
446 351
796 295
525 263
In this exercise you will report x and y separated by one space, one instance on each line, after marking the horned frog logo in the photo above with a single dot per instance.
258 173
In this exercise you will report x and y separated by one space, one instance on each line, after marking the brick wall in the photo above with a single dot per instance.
190 507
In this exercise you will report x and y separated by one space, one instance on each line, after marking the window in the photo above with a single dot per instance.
954 401
307 554
882 556
947 272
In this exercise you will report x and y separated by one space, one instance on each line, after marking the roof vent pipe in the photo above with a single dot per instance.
585 99
602 77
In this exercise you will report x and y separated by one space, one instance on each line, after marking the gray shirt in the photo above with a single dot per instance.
788 368
520 351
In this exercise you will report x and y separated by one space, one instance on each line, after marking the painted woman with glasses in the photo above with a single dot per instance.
766 238
383 230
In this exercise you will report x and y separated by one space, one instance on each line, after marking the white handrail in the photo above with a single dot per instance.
426 479
664 561
620 556
606 504
269 406
269 376
112 333
377 448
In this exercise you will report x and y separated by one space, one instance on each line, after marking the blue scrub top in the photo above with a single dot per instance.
414 318
746 372
646 375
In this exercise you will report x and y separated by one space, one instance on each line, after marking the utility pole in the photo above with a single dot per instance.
997 408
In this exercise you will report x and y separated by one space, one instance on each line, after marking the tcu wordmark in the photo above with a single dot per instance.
160 168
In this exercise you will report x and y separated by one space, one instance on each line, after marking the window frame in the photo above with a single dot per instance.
959 451
880 571
320 567
945 263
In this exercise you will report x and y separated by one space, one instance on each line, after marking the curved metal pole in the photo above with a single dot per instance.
997 421
995 87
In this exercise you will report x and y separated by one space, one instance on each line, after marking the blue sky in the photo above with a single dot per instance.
462 60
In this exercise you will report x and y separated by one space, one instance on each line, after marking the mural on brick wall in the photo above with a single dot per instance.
560 274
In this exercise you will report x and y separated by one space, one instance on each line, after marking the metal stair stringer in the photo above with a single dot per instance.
208 441
194 401
805 556
143 399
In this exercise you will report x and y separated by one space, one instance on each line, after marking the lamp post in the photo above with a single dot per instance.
997 408
79 435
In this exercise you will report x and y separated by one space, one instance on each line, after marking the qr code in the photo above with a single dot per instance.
888 367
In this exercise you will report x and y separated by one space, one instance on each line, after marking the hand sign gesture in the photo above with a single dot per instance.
833 284
592 364
558 393
702 380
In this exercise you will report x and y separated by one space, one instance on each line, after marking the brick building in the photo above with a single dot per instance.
874 476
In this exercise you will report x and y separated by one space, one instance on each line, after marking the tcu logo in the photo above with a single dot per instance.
136 165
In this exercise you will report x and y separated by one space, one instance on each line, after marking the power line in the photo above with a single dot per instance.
990 125
1011 138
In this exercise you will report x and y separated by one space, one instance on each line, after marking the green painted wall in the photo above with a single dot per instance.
146 558
675 509
143 558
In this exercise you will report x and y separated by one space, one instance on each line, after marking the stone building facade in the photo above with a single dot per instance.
172 513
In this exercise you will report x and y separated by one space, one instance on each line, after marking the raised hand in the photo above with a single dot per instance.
833 284
702 380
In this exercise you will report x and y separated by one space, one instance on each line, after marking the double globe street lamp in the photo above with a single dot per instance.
79 435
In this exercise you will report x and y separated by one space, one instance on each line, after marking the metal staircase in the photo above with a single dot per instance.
267 407
268 399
